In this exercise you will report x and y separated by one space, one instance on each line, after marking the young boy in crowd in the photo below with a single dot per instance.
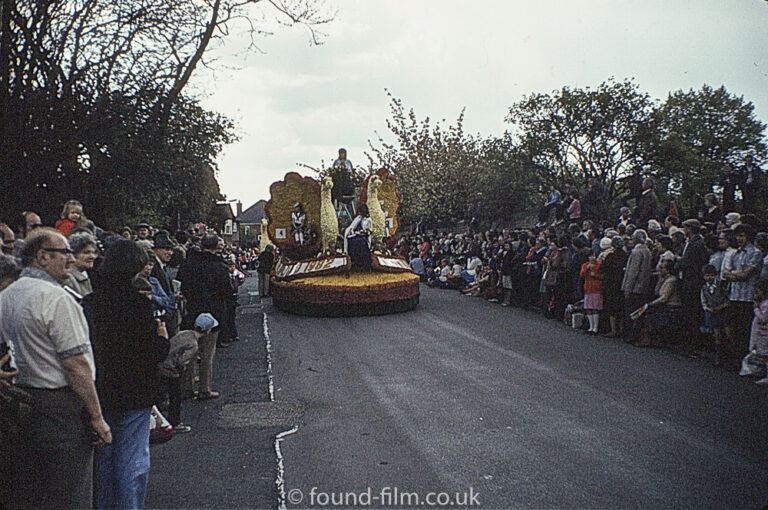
176 366
714 301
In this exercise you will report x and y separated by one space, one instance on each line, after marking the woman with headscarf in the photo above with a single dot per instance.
85 250
664 311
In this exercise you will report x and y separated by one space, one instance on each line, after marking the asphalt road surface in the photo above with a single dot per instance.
466 403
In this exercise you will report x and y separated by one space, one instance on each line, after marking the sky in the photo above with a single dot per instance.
294 103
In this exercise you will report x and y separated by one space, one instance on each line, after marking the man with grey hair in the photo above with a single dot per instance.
49 462
636 284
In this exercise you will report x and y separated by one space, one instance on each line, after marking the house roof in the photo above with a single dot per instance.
228 207
253 214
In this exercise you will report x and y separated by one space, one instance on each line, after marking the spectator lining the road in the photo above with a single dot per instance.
128 344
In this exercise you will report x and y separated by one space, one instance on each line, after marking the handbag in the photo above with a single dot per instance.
753 364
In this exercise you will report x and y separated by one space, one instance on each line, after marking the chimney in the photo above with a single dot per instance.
239 208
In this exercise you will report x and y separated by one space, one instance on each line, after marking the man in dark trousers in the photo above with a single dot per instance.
205 283
48 461
163 249
646 206
343 189
751 180
635 185
689 266
595 200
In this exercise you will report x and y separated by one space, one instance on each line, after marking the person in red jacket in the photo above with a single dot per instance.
593 292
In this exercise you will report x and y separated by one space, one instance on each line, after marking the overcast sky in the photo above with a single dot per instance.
298 104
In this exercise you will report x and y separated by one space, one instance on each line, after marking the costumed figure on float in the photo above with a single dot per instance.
357 239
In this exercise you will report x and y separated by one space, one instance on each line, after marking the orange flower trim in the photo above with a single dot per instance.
367 288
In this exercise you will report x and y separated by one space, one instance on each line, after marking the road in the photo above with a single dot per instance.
465 397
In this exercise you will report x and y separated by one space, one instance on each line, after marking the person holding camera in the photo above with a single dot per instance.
162 253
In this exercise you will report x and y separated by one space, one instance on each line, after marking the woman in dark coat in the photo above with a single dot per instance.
558 277
612 265
128 344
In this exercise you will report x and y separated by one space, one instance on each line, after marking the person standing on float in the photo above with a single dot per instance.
343 190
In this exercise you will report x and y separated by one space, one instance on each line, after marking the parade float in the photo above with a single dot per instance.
335 258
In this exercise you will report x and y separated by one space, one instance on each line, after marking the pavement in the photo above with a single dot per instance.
228 460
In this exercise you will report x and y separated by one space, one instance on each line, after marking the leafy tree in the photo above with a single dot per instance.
573 134
446 176
507 184
436 167
698 131
93 106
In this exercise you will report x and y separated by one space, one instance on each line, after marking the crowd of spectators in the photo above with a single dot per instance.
657 278
101 334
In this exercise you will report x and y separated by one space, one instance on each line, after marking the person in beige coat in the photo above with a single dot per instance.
637 279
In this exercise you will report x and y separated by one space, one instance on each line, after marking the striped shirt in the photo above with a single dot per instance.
747 256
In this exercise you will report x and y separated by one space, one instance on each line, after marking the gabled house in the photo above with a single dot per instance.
230 232
250 220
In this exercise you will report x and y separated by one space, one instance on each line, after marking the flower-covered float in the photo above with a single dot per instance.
325 270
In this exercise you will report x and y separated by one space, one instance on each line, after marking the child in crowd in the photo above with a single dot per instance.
758 339
714 301
71 216
480 285
593 292
444 280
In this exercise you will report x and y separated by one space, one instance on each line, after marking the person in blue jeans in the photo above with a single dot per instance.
554 200
128 344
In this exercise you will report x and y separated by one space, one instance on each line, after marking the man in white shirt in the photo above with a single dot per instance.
49 462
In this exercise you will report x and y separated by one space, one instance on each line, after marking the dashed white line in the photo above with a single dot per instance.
280 481
280 478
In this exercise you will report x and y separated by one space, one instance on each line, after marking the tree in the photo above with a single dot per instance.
446 176
84 81
436 167
573 134
507 184
698 132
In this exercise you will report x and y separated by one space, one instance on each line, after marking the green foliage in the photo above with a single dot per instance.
508 183
92 104
445 175
574 134
564 138
696 133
